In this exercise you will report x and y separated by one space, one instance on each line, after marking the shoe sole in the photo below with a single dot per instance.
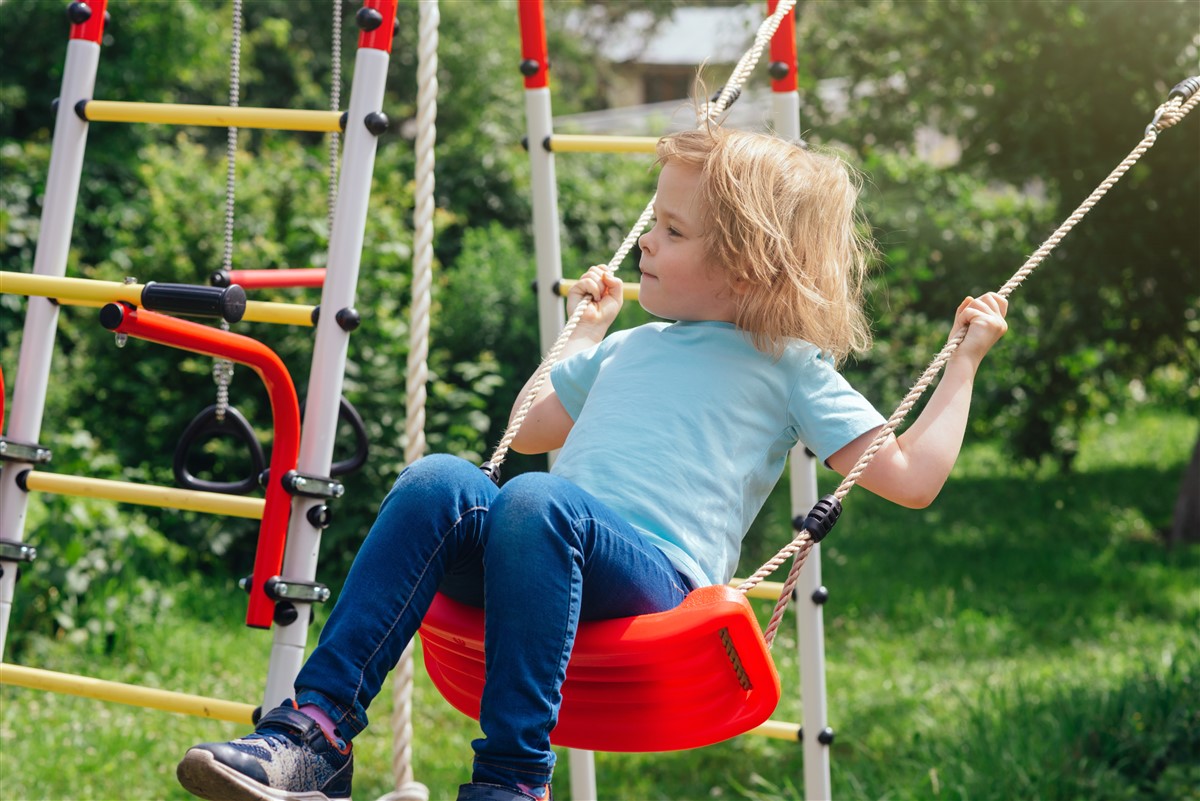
202 775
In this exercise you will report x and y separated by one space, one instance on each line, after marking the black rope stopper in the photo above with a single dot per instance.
821 519
492 471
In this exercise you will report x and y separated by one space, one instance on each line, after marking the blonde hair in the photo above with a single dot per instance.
781 221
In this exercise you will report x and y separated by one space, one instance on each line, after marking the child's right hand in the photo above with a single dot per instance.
984 318
605 291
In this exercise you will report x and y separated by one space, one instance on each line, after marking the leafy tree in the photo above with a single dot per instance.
1047 98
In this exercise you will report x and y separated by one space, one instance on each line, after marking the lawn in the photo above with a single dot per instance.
1026 637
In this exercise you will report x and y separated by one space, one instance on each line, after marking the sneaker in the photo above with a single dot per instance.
287 758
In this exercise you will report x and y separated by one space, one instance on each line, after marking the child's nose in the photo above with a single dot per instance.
642 240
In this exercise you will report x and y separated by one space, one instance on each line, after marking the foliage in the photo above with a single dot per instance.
1043 99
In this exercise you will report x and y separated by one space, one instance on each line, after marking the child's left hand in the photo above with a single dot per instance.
984 318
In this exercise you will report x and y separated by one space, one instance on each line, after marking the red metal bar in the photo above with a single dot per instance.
379 37
783 49
285 410
92 28
264 279
533 44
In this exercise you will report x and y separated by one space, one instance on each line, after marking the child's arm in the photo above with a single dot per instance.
911 469
547 422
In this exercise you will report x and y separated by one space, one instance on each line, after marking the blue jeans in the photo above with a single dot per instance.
538 555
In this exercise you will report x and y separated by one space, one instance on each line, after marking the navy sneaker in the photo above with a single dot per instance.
287 758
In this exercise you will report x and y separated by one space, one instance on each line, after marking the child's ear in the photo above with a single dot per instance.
739 285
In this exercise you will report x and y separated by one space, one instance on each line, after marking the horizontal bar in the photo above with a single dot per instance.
70 289
629 291
778 729
764 589
145 494
164 700
277 119
261 311
89 292
581 143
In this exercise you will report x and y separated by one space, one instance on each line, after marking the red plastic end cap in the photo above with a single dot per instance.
783 50
379 37
90 16
535 62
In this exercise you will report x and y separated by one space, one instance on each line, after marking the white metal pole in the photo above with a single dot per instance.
41 318
547 247
810 626
329 356
551 311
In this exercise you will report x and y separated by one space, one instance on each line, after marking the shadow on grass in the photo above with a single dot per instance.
976 565
1139 738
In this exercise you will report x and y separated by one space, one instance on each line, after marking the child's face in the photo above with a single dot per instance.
678 282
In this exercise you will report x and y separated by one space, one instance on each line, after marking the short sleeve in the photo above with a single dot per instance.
574 376
828 412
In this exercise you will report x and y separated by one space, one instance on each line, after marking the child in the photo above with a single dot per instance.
672 435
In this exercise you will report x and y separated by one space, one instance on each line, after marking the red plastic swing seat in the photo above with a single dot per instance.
688 677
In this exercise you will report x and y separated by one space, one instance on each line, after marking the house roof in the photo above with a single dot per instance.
717 35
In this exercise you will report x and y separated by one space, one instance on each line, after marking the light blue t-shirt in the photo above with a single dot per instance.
684 428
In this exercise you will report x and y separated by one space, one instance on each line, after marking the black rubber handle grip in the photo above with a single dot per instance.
228 303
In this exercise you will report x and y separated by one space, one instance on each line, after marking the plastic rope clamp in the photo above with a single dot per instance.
822 517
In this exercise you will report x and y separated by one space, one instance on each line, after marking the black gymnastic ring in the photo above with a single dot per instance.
206 426
349 414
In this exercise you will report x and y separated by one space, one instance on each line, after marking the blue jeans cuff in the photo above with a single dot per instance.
479 791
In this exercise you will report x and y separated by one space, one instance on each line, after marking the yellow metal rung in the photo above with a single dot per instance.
628 291
580 143
145 494
778 729
182 703
278 119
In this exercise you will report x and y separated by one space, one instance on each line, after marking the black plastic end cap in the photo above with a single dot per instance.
79 13
81 110
112 315
826 736
546 144
343 119
530 67
492 471
22 480
376 122
54 106
320 516
778 70
525 143
316 315
822 517
233 303
820 595
285 613
348 319
219 278
368 19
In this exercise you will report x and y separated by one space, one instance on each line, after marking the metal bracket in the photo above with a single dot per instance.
312 486
278 588
13 551
11 451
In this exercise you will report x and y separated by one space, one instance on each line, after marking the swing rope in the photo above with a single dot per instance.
1182 99
711 113
417 374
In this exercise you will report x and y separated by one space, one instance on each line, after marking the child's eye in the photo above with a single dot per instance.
672 232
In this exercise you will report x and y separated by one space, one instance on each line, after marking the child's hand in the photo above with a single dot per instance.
604 290
984 318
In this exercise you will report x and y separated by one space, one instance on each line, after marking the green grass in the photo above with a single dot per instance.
1025 637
